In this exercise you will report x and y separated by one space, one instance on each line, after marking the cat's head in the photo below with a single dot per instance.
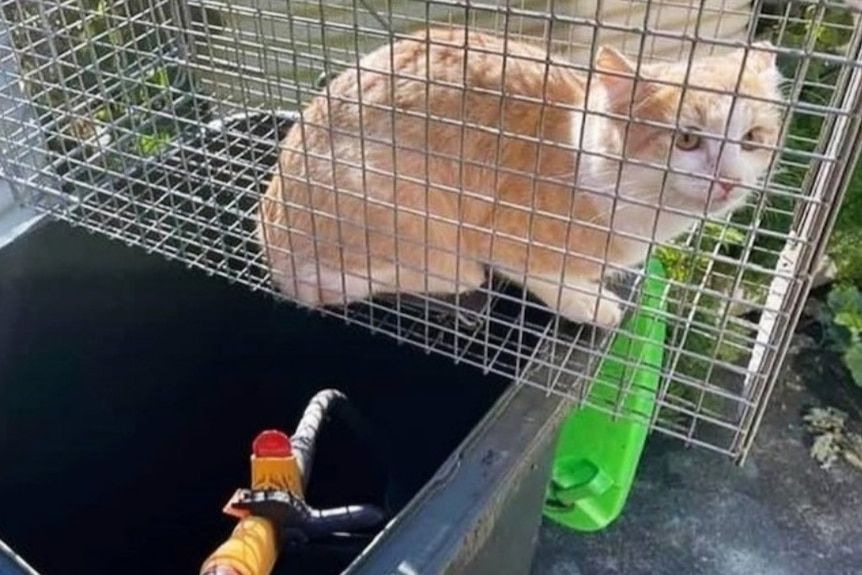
726 143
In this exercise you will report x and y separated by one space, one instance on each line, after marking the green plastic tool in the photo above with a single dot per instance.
597 453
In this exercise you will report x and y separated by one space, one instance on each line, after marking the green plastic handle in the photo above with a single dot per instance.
597 454
576 480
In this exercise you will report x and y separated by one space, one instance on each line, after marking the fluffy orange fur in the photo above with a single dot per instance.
437 158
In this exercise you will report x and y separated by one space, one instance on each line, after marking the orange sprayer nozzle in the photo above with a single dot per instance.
250 550
273 465
253 547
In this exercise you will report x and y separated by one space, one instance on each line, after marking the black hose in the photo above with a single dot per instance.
325 404
305 437
348 519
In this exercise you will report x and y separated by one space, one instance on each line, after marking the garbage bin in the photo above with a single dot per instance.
132 388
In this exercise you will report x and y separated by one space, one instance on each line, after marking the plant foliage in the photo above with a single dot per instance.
841 319
717 258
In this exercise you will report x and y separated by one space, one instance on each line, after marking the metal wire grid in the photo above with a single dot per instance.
130 98
311 38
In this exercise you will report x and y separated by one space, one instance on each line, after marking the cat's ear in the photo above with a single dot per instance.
616 73
761 56
612 60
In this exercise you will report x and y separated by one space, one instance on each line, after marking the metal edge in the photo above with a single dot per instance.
15 220
13 564
16 217
501 468
448 522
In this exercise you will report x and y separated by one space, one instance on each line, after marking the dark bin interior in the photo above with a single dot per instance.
131 388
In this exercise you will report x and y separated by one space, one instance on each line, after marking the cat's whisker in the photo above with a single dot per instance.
620 206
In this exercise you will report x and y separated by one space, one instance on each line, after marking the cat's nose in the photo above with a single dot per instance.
727 185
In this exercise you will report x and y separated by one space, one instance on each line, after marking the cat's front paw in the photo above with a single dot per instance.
605 313
609 314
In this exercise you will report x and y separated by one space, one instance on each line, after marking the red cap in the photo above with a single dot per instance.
271 443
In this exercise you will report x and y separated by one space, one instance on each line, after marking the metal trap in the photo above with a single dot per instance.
150 121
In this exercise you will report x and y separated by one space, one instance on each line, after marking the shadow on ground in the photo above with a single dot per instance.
693 512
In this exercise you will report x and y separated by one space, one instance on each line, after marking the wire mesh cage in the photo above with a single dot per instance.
483 179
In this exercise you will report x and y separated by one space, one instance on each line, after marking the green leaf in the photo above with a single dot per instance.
843 299
149 144
724 234
161 78
853 361
850 319
840 337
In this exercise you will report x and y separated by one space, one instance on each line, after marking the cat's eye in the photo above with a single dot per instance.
751 139
687 141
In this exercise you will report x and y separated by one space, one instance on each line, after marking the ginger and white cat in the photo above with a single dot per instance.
435 177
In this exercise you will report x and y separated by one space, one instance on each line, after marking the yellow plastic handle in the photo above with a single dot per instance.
250 550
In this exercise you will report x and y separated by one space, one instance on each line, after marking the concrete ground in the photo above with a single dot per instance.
693 512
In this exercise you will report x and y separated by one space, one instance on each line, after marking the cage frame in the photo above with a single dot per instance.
797 258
